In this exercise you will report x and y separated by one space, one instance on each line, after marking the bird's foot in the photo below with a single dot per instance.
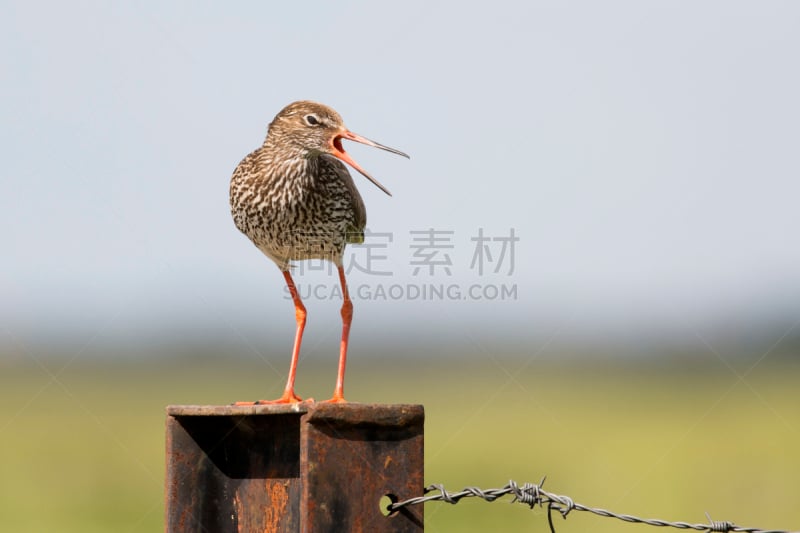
288 397
336 399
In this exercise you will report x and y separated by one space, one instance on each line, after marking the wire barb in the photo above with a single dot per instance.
533 495
529 494
725 527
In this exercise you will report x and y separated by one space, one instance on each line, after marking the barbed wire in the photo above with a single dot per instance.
533 495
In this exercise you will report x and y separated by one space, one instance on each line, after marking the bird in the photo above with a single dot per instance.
294 198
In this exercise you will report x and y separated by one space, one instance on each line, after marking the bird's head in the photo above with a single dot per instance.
315 130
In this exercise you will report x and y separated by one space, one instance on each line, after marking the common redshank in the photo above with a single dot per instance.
294 198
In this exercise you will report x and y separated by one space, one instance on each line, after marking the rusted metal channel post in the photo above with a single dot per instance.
293 468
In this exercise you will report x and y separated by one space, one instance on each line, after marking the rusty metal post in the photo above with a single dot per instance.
293 468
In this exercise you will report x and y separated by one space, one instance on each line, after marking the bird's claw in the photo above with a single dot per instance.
336 399
287 398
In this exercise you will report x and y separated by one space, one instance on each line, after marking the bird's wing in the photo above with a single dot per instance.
355 234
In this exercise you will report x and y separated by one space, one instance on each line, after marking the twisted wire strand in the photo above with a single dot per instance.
534 495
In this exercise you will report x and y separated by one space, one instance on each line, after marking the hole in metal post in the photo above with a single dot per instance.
385 502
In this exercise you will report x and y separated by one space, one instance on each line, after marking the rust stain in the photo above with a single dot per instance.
278 498
387 462
237 505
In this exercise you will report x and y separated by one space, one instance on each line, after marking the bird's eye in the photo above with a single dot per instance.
311 120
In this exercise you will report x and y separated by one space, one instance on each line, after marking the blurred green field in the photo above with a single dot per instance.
83 446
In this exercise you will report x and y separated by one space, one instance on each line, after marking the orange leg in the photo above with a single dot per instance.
347 318
288 395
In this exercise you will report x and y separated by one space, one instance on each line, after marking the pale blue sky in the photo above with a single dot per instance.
645 154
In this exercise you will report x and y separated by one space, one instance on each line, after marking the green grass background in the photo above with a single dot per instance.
82 444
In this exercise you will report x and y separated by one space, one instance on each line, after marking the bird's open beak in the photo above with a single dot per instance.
337 150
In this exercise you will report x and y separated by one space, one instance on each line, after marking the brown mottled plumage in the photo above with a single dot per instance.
294 198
